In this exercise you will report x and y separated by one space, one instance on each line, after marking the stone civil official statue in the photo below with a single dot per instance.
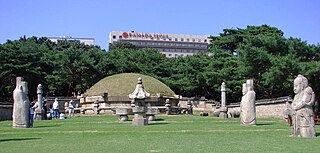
20 104
302 112
247 106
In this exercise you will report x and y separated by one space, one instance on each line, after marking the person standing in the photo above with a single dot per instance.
31 117
55 106
71 109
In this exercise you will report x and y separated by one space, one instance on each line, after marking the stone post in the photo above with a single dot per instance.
21 105
39 110
223 109
168 107
96 107
138 105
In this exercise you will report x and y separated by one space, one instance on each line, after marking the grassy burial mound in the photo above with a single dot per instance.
123 84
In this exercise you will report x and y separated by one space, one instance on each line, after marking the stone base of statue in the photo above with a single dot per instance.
139 116
223 112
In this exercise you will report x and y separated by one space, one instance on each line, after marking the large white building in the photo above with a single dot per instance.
172 45
86 41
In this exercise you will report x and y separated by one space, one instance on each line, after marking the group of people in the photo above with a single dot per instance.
54 112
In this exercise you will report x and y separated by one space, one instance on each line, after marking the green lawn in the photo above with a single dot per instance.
167 134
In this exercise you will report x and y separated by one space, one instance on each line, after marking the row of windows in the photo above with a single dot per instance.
177 55
170 39
181 50
169 44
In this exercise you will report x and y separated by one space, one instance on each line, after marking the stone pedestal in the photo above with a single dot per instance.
123 113
139 112
223 112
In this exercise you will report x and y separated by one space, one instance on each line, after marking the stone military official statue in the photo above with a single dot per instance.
302 111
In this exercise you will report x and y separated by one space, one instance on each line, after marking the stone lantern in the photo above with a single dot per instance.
138 105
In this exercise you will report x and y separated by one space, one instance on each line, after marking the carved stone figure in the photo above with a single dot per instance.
247 106
21 104
302 113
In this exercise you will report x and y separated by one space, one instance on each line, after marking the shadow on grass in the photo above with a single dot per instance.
263 124
46 126
317 134
17 139
159 119
157 123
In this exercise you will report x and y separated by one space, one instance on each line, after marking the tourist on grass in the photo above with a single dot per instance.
55 106
31 117
71 109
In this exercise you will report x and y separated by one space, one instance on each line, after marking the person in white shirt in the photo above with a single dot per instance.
55 106
71 109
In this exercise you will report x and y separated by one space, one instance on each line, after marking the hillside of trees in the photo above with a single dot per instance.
260 53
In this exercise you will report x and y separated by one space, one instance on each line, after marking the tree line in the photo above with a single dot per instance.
260 53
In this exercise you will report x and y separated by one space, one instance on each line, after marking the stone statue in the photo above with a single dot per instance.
247 106
21 105
302 113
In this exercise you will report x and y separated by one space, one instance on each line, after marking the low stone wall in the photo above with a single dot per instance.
266 110
6 111
266 107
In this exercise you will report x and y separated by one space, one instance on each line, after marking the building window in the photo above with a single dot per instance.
170 54
182 39
193 40
181 55
199 40
189 45
175 55
181 50
205 40
175 39
177 44
171 44
188 51
170 39
159 44
188 39
165 44
114 36
120 37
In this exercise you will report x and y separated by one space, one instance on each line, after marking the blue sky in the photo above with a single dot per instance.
96 18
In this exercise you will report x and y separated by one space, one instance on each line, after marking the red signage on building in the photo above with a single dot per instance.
143 35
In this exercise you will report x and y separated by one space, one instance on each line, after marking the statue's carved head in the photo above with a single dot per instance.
300 83
244 88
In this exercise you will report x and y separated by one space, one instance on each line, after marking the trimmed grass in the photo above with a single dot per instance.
168 134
